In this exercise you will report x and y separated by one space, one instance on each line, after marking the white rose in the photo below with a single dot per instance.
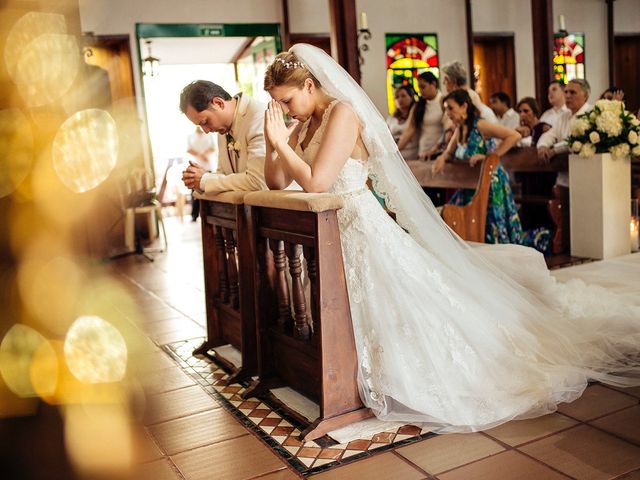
609 123
635 122
576 146
594 137
633 137
579 126
620 150
636 151
587 150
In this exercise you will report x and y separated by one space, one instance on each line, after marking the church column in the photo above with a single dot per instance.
611 42
286 40
542 27
469 31
344 35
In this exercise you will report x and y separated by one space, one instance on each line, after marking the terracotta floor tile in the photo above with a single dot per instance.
635 391
444 452
236 459
596 401
625 424
511 465
197 430
165 380
145 448
167 326
177 403
192 330
522 431
280 475
158 470
379 467
585 453
630 476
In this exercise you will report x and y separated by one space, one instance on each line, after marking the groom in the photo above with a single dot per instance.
239 122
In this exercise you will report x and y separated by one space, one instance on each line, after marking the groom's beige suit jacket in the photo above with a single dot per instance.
241 165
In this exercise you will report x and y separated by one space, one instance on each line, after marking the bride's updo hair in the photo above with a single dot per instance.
286 69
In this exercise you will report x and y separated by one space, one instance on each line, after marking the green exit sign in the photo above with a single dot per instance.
211 30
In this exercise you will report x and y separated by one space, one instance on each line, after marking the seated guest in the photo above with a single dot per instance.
399 122
531 128
500 103
576 94
455 77
613 93
426 120
555 94
472 141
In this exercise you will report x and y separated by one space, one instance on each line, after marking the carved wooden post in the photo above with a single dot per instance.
314 294
301 327
282 289
223 279
232 267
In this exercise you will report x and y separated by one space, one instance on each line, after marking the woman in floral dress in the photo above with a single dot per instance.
472 142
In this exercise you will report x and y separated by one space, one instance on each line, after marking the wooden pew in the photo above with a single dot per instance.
469 221
308 347
554 199
228 282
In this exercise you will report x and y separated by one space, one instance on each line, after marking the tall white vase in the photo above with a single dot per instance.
599 196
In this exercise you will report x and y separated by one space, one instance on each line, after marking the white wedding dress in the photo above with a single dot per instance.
464 345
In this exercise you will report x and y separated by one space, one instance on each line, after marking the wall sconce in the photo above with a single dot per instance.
150 64
365 34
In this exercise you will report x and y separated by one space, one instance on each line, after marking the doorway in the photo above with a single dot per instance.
494 65
626 61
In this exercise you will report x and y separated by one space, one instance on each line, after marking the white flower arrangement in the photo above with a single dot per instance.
608 128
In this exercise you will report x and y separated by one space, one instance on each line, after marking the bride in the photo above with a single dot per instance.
455 338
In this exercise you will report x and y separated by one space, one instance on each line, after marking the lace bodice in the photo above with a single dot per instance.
352 177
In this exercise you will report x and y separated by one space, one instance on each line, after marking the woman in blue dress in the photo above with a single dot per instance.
472 141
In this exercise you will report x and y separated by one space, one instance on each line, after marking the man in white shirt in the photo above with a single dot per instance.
239 122
555 94
500 103
552 142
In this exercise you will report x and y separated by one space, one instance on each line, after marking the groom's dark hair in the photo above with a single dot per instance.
199 94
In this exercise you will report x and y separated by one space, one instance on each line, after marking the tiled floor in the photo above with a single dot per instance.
187 435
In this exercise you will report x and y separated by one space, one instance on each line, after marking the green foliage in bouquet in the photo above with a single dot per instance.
608 128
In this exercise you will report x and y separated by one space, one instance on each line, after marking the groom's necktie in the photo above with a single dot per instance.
233 153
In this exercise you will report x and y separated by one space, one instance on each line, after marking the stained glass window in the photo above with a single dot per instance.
568 56
408 55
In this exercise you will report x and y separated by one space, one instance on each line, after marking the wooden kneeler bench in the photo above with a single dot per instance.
306 345
228 282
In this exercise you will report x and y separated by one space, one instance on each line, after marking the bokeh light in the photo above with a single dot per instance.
95 351
25 30
98 439
17 351
50 289
47 68
85 149
16 145
44 371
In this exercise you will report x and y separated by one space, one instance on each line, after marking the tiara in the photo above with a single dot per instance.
290 64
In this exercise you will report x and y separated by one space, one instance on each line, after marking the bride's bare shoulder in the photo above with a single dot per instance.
343 112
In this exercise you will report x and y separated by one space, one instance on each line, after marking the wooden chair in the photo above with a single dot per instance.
469 220
308 346
228 281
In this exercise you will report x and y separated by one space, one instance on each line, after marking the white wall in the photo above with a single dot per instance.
490 16
444 17
590 17
309 16
626 18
